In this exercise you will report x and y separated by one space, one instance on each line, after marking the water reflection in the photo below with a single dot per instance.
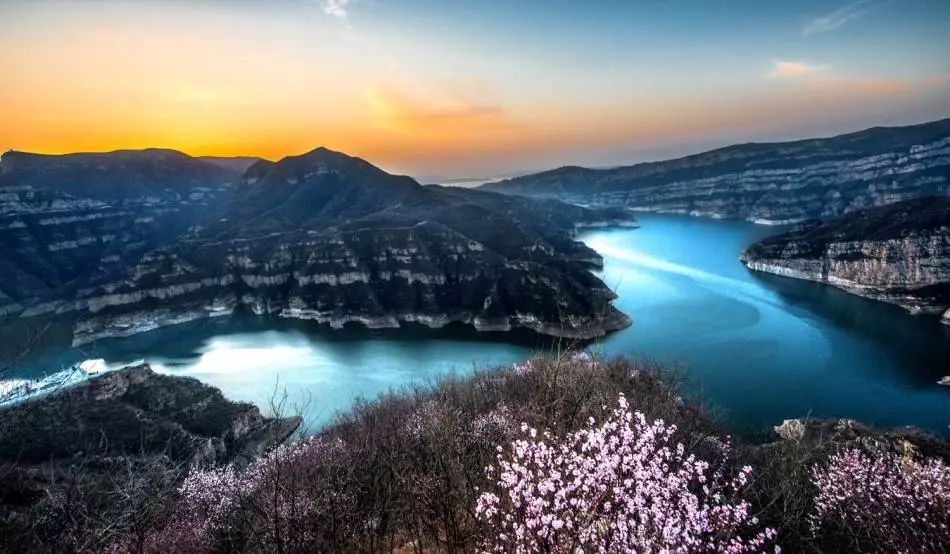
763 347
759 347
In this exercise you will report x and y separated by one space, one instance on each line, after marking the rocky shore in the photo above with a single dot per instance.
898 253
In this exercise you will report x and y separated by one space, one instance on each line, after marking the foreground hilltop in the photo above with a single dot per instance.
898 253
566 450
783 182
321 236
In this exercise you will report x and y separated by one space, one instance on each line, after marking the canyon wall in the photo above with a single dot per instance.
898 253
775 183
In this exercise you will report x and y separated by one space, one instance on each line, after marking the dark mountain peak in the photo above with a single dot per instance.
102 160
147 153
324 158
322 166
114 175
319 187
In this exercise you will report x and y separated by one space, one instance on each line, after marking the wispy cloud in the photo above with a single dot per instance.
820 78
336 8
844 14
791 69
403 109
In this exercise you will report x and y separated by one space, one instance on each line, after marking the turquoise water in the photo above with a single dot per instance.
761 348
756 348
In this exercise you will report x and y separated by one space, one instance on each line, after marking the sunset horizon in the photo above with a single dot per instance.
442 91
437 276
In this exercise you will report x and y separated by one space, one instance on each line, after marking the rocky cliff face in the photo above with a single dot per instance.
767 183
68 222
898 253
142 414
322 236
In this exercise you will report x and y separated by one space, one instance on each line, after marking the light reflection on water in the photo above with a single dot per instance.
760 348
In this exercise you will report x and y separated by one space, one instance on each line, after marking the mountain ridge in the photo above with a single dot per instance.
778 182
322 236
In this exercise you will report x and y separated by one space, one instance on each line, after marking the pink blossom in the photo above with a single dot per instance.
619 486
883 501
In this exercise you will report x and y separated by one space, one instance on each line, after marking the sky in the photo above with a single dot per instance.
473 89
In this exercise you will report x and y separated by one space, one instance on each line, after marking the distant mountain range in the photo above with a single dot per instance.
122 242
782 182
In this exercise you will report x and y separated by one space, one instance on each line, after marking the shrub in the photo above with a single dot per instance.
619 486
293 499
882 502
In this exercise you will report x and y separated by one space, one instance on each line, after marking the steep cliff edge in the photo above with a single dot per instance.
898 253
136 413
328 237
785 182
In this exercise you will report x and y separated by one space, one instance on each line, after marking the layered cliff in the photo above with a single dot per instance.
68 222
898 253
328 237
767 183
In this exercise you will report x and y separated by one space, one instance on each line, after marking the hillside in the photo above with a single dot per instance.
555 451
321 236
781 182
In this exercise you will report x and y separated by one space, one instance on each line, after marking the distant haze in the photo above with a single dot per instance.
461 89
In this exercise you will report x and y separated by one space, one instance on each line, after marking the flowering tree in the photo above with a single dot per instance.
619 486
883 502
293 498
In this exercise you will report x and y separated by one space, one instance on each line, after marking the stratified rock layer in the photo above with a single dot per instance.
69 222
785 182
898 253
322 236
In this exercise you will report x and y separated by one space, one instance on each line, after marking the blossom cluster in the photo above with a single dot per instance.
577 359
287 491
620 486
495 424
422 420
883 501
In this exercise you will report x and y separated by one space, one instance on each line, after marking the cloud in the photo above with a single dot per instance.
820 79
336 8
837 18
792 69
411 110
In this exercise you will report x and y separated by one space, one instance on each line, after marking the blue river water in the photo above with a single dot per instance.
755 348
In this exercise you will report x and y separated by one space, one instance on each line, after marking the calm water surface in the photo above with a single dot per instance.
757 348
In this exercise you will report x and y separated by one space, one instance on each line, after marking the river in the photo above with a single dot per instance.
755 348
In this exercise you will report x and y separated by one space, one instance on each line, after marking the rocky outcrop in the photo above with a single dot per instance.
136 413
834 434
898 253
776 183
331 238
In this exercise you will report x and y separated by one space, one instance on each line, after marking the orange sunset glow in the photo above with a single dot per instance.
96 76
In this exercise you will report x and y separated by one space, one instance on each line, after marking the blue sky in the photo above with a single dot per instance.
451 89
